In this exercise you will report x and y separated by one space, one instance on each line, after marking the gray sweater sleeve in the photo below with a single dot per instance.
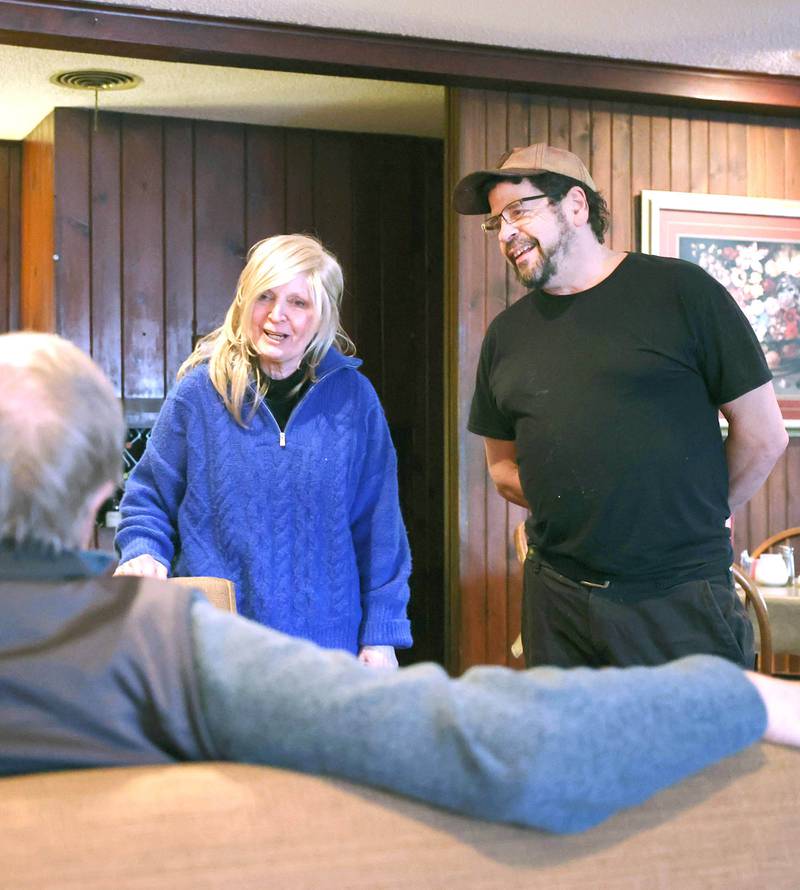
549 748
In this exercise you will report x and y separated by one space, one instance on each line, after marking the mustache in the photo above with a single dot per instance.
518 244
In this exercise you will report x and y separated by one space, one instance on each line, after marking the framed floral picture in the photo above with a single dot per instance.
752 247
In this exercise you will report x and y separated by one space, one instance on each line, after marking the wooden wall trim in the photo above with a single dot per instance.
451 416
37 242
170 36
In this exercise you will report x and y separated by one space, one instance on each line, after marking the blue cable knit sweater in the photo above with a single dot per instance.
309 531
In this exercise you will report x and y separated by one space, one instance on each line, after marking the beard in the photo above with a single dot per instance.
541 274
550 259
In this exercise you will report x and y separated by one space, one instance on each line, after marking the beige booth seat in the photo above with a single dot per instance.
200 826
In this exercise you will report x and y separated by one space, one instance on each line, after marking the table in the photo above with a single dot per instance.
783 606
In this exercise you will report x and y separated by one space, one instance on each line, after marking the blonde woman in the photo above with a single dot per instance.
271 464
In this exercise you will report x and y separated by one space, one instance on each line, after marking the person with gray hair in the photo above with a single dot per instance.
271 465
61 431
97 670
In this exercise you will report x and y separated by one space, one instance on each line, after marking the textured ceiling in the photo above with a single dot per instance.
757 35
730 34
210 93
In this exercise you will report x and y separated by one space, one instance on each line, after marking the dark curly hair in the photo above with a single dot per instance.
556 186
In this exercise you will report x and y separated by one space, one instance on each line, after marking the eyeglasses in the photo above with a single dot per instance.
512 213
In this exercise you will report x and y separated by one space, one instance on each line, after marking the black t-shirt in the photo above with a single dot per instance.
611 397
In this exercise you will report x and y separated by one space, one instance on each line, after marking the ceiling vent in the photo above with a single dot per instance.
91 79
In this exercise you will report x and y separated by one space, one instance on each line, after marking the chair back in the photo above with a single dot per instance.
218 591
753 597
777 538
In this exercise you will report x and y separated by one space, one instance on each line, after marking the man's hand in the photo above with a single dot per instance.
143 565
378 656
782 700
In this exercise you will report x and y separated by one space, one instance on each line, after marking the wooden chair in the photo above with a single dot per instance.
754 598
219 591
777 538
786 651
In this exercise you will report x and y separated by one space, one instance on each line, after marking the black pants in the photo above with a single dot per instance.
567 624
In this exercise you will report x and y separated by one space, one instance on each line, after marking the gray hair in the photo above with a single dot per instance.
61 438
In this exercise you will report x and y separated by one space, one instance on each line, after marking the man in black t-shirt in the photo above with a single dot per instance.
597 395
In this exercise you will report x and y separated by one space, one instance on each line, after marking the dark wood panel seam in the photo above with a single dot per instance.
170 36
15 233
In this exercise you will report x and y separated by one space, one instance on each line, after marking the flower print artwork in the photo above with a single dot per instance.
764 279
751 246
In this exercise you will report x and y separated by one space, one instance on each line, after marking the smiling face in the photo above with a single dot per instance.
284 321
537 245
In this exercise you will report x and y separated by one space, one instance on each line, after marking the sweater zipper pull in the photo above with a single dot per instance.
283 439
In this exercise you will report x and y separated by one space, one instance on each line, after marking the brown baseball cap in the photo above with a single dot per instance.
470 195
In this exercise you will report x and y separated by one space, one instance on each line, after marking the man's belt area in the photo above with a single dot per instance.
569 569
593 580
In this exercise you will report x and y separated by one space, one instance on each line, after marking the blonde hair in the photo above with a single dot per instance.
230 351
61 438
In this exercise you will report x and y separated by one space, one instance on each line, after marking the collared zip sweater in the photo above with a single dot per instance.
306 522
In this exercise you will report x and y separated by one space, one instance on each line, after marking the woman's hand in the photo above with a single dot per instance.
142 565
378 656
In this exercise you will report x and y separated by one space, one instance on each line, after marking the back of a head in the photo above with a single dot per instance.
61 437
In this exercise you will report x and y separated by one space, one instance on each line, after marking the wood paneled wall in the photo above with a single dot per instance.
10 208
627 148
153 217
